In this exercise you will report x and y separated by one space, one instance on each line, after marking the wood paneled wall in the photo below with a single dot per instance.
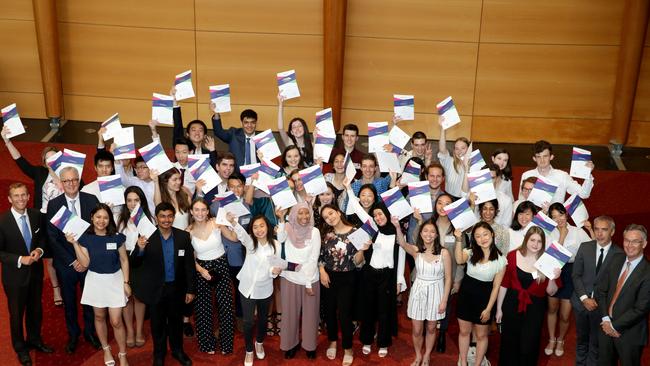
518 71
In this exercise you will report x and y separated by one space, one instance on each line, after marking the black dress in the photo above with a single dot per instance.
521 332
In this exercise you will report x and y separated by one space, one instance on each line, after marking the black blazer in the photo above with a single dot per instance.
12 245
584 270
63 252
630 312
147 267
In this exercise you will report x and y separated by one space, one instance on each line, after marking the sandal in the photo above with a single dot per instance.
331 352
559 348
110 362
348 358
383 352
122 356
550 346
58 301
130 344
139 342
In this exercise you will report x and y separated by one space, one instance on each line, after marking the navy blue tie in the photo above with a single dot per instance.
247 153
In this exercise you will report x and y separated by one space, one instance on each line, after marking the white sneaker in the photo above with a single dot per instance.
248 361
259 351
366 349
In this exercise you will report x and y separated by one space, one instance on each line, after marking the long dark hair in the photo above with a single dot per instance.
477 252
507 171
435 215
182 198
329 229
523 207
419 242
269 231
111 228
335 191
309 150
125 214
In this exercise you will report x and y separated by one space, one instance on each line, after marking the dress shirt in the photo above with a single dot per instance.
255 277
77 204
605 250
565 183
168 256
17 217
633 265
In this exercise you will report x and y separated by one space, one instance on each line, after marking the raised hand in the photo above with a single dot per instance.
209 143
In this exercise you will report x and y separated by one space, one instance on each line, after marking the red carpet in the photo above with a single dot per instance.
619 194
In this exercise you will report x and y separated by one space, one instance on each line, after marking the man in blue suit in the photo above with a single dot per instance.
68 269
240 140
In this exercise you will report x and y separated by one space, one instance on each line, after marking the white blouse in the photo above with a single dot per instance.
383 257
307 257
574 238
131 233
210 248
255 277
485 271
453 179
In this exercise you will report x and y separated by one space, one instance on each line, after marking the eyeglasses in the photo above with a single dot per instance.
634 242
70 181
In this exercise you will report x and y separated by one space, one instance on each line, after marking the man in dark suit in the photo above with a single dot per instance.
68 269
240 140
21 248
624 302
591 263
162 276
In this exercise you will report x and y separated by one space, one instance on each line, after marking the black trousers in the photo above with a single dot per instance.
25 302
339 298
622 349
68 280
587 329
248 309
167 321
377 297
234 271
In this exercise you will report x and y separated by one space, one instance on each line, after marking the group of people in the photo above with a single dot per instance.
232 272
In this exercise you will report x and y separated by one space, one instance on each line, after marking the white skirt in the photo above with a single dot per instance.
104 290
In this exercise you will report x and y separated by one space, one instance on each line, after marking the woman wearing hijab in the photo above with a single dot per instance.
382 274
300 247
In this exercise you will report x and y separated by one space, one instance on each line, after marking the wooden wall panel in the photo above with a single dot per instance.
30 105
639 134
122 62
173 14
375 69
17 10
641 110
545 81
415 19
595 22
255 16
250 62
528 130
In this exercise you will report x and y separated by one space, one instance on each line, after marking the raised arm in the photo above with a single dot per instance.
460 255
217 127
15 154
442 143
286 140
79 251
401 241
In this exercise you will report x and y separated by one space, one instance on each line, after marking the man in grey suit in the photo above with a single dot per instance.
623 295
592 260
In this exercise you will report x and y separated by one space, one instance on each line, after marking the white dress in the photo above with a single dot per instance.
427 290
181 220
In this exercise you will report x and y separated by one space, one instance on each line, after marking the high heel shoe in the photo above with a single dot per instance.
58 301
559 348
110 362
122 357
550 347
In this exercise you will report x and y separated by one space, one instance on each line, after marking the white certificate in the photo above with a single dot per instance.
546 223
222 219
555 257
404 107
71 158
411 173
377 136
461 214
266 173
124 144
70 223
577 210
281 193
396 203
388 162
11 119
162 109
323 146
420 196
220 96
313 180
325 123
112 126
203 170
476 161
579 159
363 235
350 170
248 170
481 184
183 85
265 143
448 114
155 158
193 158
142 223
111 189
229 202
397 137
287 84
543 191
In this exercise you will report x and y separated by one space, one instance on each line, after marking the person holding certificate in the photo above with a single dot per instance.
501 158
299 188
330 196
382 279
520 304
369 176
337 263
213 283
488 210
300 247
134 197
478 291
240 140
337 177
297 133
101 249
570 237
291 160
454 167
350 136
169 188
256 280
524 214
196 131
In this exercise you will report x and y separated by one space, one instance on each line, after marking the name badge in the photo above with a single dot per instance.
111 246
341 245
181 252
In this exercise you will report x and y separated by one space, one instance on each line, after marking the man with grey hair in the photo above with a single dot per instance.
591 263
623 295
68 269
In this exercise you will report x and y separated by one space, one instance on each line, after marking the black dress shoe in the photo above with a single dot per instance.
187 329
71 346
442 344
41 347
92 339
291 353
158 361
311 355
24 359
182 358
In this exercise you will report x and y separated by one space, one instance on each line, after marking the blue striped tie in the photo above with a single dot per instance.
27 234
